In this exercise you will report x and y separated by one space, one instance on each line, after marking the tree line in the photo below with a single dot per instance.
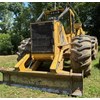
15 19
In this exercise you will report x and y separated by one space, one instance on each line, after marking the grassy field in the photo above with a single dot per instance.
91 84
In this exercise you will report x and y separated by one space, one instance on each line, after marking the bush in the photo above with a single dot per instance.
5 44
15 40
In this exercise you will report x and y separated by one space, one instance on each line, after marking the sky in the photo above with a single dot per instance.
26 4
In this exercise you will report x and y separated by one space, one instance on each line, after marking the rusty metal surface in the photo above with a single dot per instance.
71 84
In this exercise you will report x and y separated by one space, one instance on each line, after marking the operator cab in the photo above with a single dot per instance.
66 17
53 15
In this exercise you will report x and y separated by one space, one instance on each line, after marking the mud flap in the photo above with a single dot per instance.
71 84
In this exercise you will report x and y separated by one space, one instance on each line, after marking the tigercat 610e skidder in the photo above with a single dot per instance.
56 42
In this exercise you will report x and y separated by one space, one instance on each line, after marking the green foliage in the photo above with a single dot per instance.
6 18
15 40
16 8
95 22
5 44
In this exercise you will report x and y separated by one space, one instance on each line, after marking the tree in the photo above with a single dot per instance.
95 22
17 9
6 19
5 44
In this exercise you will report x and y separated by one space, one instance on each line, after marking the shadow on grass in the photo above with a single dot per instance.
97 65
98 48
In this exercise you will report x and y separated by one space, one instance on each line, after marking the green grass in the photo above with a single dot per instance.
91 84
8 61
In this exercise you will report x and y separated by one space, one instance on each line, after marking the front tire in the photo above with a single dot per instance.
81 55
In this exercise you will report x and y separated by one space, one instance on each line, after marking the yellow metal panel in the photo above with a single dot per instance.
60 56
43 56
77 25
60 67
48 12
56 38
78 32
21 63
54 64
82 32
71 12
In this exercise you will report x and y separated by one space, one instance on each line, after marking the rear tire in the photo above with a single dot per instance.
25 47
94 47
81 55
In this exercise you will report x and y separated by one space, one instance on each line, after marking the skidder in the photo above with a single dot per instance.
55 38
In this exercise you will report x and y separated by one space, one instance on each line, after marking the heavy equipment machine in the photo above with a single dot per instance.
42 59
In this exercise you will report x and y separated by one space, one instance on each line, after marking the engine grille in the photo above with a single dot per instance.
42 37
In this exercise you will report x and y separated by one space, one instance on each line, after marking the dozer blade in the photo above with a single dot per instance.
71 84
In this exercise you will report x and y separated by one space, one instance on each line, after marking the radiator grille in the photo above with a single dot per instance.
42 37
